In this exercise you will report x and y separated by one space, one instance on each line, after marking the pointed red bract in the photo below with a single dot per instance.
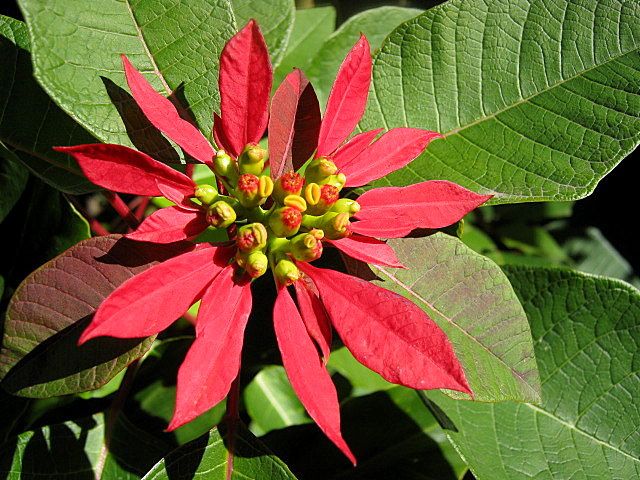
354 147
178 197
165 117
148 303
308 376
293 125
348 98
245 85
394 150
392 212
213 361
388 333
169 225
122 169
314 316
368 250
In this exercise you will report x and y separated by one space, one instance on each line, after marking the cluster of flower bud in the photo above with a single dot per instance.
302 210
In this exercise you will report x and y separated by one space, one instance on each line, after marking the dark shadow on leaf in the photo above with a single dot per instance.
129 253
59 356
386 441
60 455
186 467
142 133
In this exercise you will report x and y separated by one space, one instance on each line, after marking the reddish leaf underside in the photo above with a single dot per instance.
245 85
122 169
367 249
213 361
148 303
392 212
388 333
165 117
308 376
54 303
293 125
169 225
392 151
354 147
314 317
348 98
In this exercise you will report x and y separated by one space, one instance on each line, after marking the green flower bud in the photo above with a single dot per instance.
319 170
346 205
254 263
288 184
252 159
286 272
285 221
307 247
251 237
206 194
335 225
329 195
224 166
220 214
252 190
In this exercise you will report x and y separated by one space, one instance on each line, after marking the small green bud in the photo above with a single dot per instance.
253 190
319 170
252 159
220 214
285 221
206 194
335 225
224 166
255 263
286 272
346 205
307 247
289 183
251 237
329 195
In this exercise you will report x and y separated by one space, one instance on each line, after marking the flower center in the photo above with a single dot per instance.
302 210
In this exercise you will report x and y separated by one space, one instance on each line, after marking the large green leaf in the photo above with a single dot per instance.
537 100
275 18
40 356
588 425
311 28
30 123
470 298
78 449
375 23
77 47
391 434
271 402
363 380
209 457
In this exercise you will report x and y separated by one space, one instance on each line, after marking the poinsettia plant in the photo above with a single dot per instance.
216 188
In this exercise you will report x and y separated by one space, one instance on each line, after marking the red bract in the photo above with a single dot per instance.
383 330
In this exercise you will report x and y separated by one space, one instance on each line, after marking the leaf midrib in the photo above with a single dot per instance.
467 334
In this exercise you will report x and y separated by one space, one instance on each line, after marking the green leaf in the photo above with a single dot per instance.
537 100
77 43
275 18
362 379
375 23
391 433
209 457
271 402
311 28
77 449
588 425
40 356
594 254
154 398
13 179
470 298
42 225
30 123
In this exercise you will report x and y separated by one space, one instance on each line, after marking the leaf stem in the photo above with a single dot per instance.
232 419
122 209
95 226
